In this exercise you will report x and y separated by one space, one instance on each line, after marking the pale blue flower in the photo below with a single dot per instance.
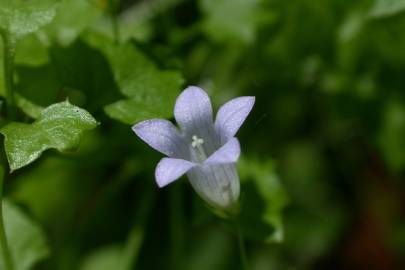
205 150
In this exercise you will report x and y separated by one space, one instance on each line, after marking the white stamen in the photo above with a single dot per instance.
197 144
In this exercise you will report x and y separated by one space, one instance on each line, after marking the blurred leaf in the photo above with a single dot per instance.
32 110
19 18
383 8
31 50
231 20
150 92
104 259
26 240
392 135
78 72
60 126
67 26
38 84
263 200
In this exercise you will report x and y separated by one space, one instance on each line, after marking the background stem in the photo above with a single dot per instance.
8 66
137 234
5 251
241 245
113 10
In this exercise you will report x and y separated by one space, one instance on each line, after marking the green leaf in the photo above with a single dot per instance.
104 259
67 26
60 126
29 108
20 18
26 240
231 20
392 133
149 91
382 8
263 199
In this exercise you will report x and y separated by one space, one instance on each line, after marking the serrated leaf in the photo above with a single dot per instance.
26 240
60 126
382 8
263 200
20 18
149 91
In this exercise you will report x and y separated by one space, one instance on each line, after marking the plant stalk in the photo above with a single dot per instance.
176 227
8 66
7 260
113 11
241 245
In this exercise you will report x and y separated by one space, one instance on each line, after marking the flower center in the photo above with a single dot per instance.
197 144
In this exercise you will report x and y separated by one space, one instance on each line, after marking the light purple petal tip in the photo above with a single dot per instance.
193 106
161 135
231 116
171 169
228 153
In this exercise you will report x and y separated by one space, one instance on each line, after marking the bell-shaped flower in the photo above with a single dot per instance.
205 150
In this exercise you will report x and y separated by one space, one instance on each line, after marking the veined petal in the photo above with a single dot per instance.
218 185
228 153
162 136
171 169
193 107
231 116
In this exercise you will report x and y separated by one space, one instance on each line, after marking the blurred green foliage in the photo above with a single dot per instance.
323 150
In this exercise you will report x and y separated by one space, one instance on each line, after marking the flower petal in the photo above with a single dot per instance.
162 136
193 107
231 116
170 169
228 153
218 185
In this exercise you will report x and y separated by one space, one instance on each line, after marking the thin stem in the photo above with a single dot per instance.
8 66
8 263
176 227
114 19
241 244
137 234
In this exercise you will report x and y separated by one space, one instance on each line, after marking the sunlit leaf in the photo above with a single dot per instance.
383 8
20 18
60 126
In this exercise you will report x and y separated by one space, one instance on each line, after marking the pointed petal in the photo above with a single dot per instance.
171 169
193 108
231 116
228 153
161 135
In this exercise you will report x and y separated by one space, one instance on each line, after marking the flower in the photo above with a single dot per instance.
205 150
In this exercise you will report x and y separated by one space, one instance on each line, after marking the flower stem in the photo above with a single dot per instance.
8 66
241 245
176 227
7 261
